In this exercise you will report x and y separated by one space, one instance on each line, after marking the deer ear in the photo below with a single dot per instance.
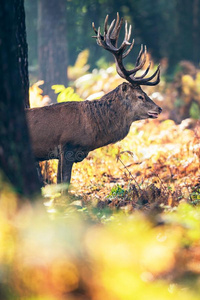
124 87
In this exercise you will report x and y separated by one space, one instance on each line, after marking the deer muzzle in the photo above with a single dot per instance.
154 114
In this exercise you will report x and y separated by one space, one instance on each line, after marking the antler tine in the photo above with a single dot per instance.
139 65
125 42
129 50
113 35
111 28
145 72
106 26
96 31
108 38
118 31
140 55
146 81
158 78
126 39
126 31
100 39
157 72
129 32
94 28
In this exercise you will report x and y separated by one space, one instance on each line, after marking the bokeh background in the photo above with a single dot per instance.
170 29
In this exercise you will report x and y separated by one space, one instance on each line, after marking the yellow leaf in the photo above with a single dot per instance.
187 84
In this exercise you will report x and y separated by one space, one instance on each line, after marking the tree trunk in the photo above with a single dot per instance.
52 44
16 158
22 49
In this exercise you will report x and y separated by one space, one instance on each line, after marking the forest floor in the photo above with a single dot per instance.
158 162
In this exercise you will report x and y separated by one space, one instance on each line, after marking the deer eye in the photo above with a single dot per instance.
140 97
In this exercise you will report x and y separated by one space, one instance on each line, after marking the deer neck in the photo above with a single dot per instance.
108 118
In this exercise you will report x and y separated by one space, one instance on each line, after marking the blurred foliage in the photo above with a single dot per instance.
36 98
185 92
64 255
80 67
194 111
191 94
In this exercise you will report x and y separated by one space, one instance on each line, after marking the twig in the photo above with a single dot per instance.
118 158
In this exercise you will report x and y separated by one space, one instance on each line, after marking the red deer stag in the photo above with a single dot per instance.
69 131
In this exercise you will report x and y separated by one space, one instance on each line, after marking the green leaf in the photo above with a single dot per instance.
195 111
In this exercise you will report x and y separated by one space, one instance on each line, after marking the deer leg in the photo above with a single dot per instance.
59 172
65 165
68 156
67 171
41 179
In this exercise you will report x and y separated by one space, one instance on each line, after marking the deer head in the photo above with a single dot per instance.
143 105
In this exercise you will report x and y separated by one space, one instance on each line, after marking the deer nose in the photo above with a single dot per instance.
159 109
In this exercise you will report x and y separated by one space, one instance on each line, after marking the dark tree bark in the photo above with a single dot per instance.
16 158
52 44
22 49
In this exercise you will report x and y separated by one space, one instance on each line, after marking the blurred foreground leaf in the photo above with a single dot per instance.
129 257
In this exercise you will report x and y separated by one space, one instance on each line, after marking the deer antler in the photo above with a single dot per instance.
109 42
